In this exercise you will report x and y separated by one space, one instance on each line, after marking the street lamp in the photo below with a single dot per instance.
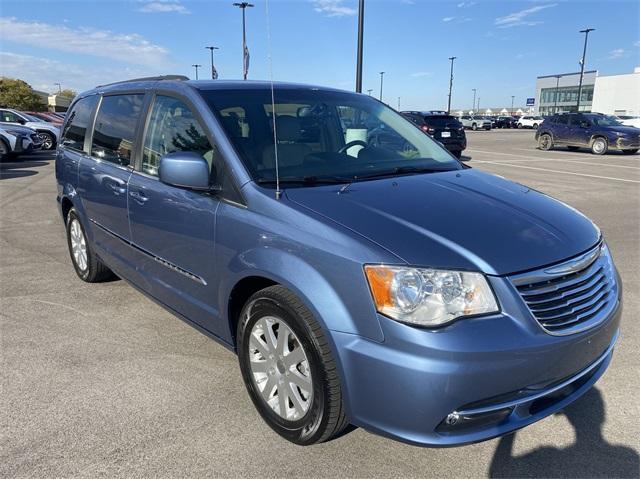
473 106
381 77
398 103
360 42
59 87
245 51
214 73
196 66
450 85
555 95
584 54
369 91
478 104
512 98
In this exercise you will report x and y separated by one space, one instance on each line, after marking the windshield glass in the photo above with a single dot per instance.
31 117
602 120
323 135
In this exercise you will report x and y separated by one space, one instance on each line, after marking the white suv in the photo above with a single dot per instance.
530 122
48 132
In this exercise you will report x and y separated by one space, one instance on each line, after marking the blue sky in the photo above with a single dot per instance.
501 45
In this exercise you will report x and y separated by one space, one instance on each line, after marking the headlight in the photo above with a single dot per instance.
428 297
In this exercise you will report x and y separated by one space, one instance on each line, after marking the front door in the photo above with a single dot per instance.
173 228
103 177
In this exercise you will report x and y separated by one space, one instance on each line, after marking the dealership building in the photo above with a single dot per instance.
612 94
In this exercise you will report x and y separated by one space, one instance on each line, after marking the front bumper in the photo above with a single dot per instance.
491 374
626 143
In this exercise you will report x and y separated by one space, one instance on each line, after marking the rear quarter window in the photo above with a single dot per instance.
75 129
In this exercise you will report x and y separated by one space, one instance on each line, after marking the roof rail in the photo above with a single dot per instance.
156 78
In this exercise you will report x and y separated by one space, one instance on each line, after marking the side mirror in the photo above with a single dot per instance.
185 169
22 121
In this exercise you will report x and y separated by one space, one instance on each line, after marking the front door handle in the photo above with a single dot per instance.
117 188
139 197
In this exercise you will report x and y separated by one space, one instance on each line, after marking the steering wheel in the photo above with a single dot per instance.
362 143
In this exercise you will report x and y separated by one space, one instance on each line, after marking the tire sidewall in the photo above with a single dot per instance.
44 134
549 144
307 429
84 275
593 144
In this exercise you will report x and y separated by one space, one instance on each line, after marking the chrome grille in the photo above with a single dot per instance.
572 296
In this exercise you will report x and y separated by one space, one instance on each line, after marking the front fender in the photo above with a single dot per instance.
333 301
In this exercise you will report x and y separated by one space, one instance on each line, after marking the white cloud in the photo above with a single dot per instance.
448 19
466 4
519 56
43 73
163 6
520 18
618 53
130 48
637 44
333 8
421 74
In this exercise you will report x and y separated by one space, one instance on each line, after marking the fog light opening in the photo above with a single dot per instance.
452 419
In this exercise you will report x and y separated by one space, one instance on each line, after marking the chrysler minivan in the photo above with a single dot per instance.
362 278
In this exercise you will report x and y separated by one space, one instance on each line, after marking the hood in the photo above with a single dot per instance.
626 129
13 127
462 219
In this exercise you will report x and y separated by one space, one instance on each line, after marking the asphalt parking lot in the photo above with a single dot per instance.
99 381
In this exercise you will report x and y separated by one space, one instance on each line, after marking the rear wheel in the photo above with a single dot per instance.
519 125
48 141
545 142
535 126
288 368
599 146
87 265
573 148
474 127
629 152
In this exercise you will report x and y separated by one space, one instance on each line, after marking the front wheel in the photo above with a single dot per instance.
87 265
545 142
599 146
629 152
474 127
519 126
288 368
535 126
5 151
48 141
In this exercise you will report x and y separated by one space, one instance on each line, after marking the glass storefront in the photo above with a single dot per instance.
564 99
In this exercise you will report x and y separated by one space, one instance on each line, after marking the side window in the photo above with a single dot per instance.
75 129
115 128
173 127
562 120
9 117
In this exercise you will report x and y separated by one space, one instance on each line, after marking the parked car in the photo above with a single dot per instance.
475 122
595 131
48 132
506 122
629 120
441 126
16 140
393 290
530 121
45 116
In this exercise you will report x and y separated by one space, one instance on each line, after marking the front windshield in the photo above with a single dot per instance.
602 120
323 135
31 117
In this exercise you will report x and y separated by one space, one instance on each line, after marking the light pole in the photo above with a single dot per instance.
478 104
245 51
59 87
512 98
584 54
196 66
381 77
214 73
369 91
555 95
398 103
450 85
360 42
473 106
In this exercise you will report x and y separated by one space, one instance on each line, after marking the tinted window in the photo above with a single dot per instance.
115 128
562 120
440 121
9 117
172 127
76 127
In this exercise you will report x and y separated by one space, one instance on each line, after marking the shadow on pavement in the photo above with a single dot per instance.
17 169
590 456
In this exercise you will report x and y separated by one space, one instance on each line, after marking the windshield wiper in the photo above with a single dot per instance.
399 170
305 180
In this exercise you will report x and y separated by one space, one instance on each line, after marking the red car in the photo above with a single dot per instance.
46 116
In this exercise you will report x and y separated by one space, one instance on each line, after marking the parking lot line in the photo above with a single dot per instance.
557 171
536 158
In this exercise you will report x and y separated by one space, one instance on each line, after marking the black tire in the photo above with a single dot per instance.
599 145
630 152
5 150
457 154
95 270
519 126
545 142
573 148
48 140
325 417
474 127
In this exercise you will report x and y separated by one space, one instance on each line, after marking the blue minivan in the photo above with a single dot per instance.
361 278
